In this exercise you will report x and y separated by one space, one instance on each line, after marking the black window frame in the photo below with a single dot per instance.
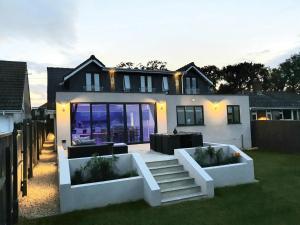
233 114
194 112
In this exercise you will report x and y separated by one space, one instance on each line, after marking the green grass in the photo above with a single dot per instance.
274 200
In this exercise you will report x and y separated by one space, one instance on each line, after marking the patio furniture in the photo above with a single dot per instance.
166 143
107 148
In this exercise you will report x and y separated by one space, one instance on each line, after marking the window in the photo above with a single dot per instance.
233 114
189 115
194 85
96 82
143 84
126 83
149 83
88 82
287 114
165 84
188 85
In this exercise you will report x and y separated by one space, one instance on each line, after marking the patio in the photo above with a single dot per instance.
147 154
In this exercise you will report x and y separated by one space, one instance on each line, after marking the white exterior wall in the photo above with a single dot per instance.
8 119
215 129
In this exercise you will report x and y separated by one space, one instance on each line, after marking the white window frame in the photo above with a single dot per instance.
96 82
126 82
165 83
143 84
88 82
149 83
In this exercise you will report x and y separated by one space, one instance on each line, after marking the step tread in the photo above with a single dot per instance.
163 167
183 197
170 173
175 179
179 188
164 160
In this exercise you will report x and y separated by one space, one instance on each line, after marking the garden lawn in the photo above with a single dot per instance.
274 200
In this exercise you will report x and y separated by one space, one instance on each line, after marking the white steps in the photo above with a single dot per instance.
174 182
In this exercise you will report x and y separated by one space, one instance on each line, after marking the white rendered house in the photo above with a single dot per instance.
127 105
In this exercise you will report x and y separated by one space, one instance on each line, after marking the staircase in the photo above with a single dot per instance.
175 183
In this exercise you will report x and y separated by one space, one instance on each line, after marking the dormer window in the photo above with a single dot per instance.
88 82
146 85
126 83
190 85
165 84
92 82
96 82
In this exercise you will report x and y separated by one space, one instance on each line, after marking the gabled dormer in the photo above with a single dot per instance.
194 81
88 76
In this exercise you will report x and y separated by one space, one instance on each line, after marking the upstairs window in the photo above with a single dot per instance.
126 83
190 85
190 115
88 82
96 82
146 84
143 84
165 84
233 114
149 83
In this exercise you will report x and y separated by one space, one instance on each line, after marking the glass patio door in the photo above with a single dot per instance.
117 126
99 123
133 123
148 121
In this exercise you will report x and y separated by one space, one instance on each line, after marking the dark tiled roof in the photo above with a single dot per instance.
55 76
12 80
274 99
184 68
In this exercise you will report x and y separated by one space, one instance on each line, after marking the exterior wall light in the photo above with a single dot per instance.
63 107
193 100
216 105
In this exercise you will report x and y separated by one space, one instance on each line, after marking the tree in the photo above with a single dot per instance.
243 77
290 71
150 65
213 73
126 65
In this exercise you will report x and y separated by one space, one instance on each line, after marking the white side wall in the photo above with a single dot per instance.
216 128
7 121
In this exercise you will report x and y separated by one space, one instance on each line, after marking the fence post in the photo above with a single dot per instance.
15 177
29 139
24 182
8 185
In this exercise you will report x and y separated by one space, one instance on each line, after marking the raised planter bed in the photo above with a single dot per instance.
99 194
230 174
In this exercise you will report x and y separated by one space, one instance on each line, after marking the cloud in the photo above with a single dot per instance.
282 56
43 21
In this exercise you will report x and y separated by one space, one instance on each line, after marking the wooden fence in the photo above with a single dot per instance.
283 136
19 153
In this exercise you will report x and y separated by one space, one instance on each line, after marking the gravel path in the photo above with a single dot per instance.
42 194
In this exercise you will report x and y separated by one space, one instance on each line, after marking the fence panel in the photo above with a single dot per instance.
283 136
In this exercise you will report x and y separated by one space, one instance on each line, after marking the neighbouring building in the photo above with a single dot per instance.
127 105
14 94
274 106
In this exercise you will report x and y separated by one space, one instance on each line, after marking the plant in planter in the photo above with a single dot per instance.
99 169
211 157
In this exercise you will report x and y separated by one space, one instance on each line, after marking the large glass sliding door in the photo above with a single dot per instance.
80 121
133 123
99 123
148 121
117 126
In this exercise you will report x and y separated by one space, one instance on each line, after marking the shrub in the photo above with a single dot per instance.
99 169
211 157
